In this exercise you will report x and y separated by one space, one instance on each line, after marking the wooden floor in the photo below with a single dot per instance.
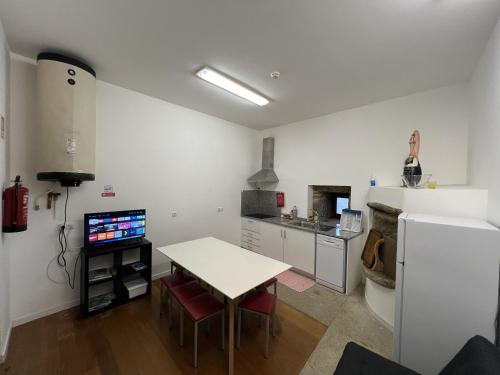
133 339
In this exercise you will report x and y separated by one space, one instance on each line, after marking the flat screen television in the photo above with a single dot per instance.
106 227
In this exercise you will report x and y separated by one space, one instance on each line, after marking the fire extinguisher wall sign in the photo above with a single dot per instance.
280 199
15 207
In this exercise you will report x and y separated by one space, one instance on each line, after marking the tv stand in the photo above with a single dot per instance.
118 272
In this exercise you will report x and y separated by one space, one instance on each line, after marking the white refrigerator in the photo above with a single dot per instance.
447 288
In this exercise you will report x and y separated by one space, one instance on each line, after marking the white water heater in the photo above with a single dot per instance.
66 120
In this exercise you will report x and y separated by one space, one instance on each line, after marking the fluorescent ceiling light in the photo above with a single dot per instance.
228 84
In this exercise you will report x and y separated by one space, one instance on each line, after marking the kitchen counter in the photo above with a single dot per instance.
342 234
334 232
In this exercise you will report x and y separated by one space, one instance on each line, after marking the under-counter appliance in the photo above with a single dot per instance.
331 262
447 288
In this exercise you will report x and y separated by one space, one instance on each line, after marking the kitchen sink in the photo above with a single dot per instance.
303 224
325 228
310 225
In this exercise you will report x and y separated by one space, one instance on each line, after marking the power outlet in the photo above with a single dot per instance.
174 213
220 209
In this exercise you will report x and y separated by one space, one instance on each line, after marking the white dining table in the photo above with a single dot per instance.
228 268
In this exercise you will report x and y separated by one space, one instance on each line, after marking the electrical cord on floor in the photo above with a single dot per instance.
63 242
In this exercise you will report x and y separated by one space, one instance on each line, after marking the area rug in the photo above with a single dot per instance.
295 281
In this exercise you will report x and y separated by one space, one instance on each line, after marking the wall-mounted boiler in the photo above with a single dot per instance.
66 120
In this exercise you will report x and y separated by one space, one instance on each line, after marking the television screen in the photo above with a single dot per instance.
106 227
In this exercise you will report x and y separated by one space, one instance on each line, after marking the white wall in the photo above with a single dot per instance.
4 253
346 148
484 144
194 163
157 155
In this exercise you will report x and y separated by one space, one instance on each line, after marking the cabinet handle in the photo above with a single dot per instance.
281 233
284 232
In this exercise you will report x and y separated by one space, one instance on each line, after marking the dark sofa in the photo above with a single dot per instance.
477 357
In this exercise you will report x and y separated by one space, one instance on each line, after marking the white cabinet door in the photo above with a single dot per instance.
271 240
299 249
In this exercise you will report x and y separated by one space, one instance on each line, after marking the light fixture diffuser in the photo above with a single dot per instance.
218 79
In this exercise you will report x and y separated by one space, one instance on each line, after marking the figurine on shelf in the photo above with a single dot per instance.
412 170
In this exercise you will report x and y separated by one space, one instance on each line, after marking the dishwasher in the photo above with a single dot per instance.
330 262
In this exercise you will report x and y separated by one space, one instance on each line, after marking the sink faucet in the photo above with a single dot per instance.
315 217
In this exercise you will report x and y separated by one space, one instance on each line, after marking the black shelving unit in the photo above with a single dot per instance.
120 271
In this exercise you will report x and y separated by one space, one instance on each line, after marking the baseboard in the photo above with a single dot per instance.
303 273
384 322
160 274
40 314
5 345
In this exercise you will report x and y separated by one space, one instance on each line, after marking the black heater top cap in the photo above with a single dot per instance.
65 59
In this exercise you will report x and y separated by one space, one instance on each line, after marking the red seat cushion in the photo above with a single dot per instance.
187 291
261 302
176 279
203 306
270 282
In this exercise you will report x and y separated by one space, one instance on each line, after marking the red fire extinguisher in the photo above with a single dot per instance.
15 207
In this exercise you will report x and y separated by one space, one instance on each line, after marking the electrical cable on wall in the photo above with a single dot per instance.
63 242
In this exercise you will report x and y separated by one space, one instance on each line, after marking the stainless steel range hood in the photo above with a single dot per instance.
266 175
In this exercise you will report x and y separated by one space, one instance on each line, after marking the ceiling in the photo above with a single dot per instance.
332 54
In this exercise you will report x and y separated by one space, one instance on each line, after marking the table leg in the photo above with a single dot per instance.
231 337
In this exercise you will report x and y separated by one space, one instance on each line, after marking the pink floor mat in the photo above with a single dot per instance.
295 281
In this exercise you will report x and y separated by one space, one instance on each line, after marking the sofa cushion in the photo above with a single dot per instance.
357 360
477 357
